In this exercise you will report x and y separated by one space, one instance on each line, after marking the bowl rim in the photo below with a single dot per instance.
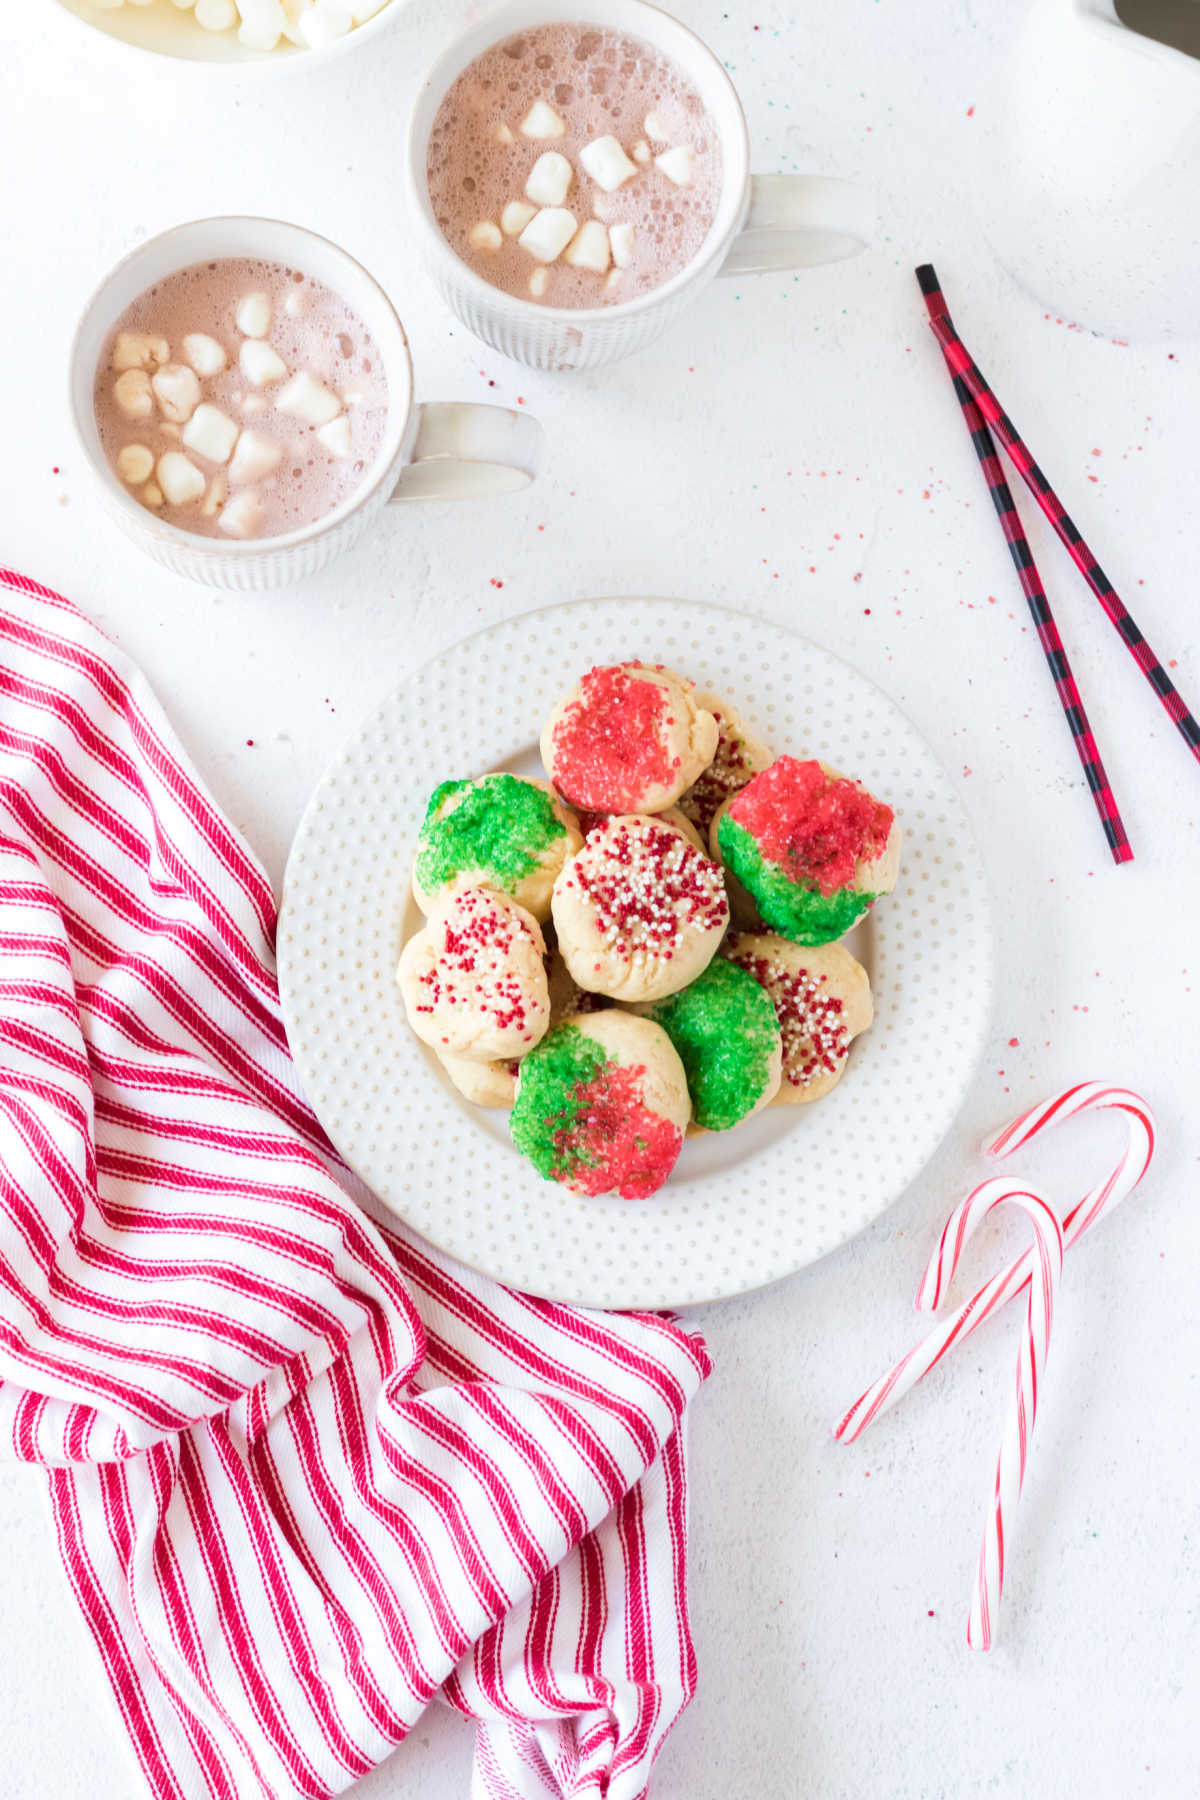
248 65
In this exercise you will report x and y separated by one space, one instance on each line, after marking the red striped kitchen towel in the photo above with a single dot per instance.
305 1471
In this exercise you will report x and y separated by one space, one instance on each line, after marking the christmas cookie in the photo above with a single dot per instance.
473 980
501 831
728 1038
639 911
627 739
813 849
822 999
602 1105
739 756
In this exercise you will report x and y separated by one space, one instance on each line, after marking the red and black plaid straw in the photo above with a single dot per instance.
962 366
1039 606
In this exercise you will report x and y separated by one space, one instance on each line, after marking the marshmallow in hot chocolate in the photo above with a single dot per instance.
240 398
575 166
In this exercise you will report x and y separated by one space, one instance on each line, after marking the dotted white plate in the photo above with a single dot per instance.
742 1208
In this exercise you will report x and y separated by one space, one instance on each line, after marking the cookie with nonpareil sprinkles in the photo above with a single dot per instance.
473 980
739 756
639 911
724 1027
505 832
602 1105
822 999
627 739
813 849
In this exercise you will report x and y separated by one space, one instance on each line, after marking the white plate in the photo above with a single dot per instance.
743 1208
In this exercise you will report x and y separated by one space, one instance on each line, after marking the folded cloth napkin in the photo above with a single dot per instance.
305 1472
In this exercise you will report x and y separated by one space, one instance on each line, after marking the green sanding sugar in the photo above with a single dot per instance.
796 912
725 1030
551 1076
498 829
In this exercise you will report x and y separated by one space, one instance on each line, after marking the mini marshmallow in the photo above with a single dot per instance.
678 165
263 23
336 436
295 304
516 217
151 496
308 399
319 27
244 516
260 364
548 233
641 152
253 403
541 121
656 129
622 238
254 459
353 396
204 353
550 179
607 163
588 249
214 500
485 236
292 10
216 15
138 350
211 433
133 395
504 135
179 478
539 281
254 315
612 281
135 464
177 389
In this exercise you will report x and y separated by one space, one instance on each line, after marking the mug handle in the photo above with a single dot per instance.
799 221
464 451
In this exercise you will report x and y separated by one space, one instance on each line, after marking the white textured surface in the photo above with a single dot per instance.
788 426
450 1168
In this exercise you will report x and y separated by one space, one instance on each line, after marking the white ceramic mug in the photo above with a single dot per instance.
444 452
762 222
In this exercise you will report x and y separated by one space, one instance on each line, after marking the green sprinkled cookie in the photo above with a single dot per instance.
505 832
725 1029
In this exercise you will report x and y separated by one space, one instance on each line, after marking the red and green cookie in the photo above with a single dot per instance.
813 849
728 1038
602 1105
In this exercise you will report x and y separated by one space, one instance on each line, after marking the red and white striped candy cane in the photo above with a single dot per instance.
1088 1096
1045 1269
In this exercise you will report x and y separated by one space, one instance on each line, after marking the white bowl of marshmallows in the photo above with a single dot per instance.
239 35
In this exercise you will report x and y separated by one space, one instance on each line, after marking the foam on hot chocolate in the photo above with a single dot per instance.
240 399
575 166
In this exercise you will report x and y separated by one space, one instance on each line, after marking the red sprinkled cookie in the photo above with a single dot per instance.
474 980
822 999
639 911
627 739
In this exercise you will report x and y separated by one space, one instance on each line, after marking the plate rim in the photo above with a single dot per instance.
288 953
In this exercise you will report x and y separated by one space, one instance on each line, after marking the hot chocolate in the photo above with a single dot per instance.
240 398
574 166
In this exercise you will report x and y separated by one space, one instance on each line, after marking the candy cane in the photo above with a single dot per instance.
1086 1096
1045 1268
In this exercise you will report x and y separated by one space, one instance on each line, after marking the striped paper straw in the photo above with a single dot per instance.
1069 696
962 365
